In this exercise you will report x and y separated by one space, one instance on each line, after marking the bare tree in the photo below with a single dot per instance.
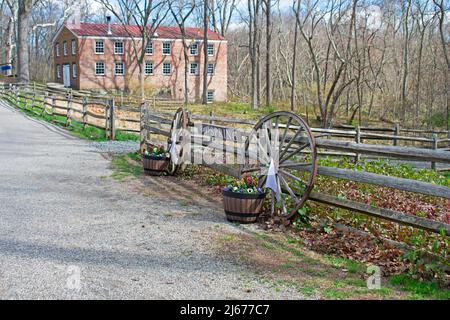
253 46
181 10
268 11
147 16
205 51
23 59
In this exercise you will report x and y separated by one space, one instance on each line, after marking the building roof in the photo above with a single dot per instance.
125 31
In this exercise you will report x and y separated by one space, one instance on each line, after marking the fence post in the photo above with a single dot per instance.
53 103
211 115
110 121
358 140
84 113
396 133
69 109
142 131
435 146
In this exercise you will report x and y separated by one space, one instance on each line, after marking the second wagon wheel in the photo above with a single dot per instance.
282 140
175 141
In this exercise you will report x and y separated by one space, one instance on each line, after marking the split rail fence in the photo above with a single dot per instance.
156 126
105 114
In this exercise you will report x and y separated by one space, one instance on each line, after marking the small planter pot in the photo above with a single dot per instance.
155 166
242 207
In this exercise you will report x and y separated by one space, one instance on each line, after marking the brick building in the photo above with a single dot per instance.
90 56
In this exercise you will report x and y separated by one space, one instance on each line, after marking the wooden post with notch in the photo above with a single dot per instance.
85 121
358 140
110 121
143 130
69 109
396 133
435 146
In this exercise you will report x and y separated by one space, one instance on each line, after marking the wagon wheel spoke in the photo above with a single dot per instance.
293 153
291 141
295 178
287 188
286 130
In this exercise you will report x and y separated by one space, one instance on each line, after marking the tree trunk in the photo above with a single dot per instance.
294 58
8 46
205 52
268 53
23 71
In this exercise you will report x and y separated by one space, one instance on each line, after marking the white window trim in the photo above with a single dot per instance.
123 48
123 68
95 47
65 48
145 68
214 69
58 53
190 49
74 70
167 74
197 69
74 47
153 49
58 71
207 94
104 68
162 48
212 54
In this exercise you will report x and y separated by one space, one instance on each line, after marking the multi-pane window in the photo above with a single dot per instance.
57 50
148 67
118 47
193 68
210 49
74 70
119 68
194 49
210 96
100 68
58 71
210 68
167 68
74 47
149 48
65 48
166 48
99 47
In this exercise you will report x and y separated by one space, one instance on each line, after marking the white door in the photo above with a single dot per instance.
66 75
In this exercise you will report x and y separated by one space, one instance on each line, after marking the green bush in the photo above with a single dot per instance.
438 120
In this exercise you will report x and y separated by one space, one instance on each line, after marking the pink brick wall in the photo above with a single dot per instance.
87 79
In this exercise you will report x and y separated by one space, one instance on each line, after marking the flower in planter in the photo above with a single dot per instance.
247 184
158 151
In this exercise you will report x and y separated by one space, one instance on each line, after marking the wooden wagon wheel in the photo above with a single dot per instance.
285 139
177 130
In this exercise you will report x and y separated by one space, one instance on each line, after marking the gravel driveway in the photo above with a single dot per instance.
68 230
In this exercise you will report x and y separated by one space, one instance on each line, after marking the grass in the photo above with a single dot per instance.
420 289
123 168
351 266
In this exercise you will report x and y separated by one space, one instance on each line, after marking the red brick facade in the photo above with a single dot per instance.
84 58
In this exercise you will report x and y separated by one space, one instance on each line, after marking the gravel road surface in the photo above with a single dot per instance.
68 230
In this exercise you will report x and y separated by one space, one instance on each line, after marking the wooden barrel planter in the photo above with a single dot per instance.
243 207
155 166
